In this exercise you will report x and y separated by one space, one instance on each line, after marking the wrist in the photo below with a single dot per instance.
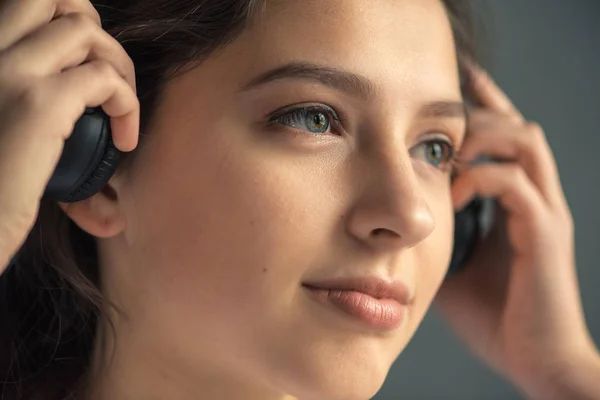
578 378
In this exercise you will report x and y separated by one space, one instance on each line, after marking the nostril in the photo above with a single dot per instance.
383 232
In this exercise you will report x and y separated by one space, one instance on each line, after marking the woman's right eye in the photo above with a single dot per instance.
316 120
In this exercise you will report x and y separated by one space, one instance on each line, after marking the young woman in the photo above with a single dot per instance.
294 158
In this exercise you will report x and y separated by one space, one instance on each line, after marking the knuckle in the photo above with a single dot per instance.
516 175
568 222
67 7
535 130
570 225
96 16
130 65
82 23
104 69
122 59
106 72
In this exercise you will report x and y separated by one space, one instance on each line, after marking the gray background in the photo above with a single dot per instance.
546 55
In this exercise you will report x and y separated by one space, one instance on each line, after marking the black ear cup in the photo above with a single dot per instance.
88 161
467 229
471 224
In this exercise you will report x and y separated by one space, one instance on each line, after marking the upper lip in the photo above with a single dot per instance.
373 286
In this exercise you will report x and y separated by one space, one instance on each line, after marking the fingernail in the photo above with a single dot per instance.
459 205
460 199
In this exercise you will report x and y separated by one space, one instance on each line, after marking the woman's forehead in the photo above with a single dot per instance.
393 43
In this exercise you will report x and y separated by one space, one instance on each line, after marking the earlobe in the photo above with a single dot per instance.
100 215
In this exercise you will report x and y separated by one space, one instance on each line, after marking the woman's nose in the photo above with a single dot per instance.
391 211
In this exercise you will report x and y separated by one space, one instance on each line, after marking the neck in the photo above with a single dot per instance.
128 364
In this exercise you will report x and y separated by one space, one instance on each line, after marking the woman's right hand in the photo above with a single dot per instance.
55 60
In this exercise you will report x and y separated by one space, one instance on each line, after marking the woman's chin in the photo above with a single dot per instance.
338 381
343 388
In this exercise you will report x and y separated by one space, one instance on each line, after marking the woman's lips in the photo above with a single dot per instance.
376 303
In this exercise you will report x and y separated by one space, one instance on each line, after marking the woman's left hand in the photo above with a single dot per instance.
517 302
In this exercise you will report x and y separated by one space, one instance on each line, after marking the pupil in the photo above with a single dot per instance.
318 121
436 153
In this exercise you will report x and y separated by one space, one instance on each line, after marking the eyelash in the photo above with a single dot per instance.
289 116
450 160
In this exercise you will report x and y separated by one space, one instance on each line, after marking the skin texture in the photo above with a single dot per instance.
207 237
210 233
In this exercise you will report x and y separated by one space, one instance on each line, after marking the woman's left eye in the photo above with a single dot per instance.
312 119
437 152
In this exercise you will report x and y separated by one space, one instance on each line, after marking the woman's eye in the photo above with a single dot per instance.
438 153
317 120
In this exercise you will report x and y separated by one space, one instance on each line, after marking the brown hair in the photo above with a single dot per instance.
50 298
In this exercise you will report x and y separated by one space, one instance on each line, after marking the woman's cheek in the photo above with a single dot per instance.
258 225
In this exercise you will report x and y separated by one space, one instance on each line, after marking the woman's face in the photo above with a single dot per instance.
314 147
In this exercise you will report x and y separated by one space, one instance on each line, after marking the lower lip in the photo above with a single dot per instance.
378 314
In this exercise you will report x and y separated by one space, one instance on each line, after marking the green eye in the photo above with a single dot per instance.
317 122
313 119
438 153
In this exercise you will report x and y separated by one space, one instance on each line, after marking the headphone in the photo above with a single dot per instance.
90 158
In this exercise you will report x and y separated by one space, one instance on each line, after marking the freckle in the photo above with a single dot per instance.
264 270
252 222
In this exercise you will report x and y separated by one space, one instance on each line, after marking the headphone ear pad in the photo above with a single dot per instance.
471 225
467 230
88 161
103 171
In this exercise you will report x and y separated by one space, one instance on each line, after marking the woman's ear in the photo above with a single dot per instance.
100 215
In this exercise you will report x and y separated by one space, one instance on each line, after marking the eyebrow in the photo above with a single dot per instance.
340 80
351 83
444 109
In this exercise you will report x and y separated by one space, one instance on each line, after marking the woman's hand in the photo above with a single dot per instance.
55 60
517 302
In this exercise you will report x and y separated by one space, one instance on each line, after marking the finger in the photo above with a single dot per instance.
489 94
44 119
65 7
508 183
97 83
65 43
497 137
20 18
